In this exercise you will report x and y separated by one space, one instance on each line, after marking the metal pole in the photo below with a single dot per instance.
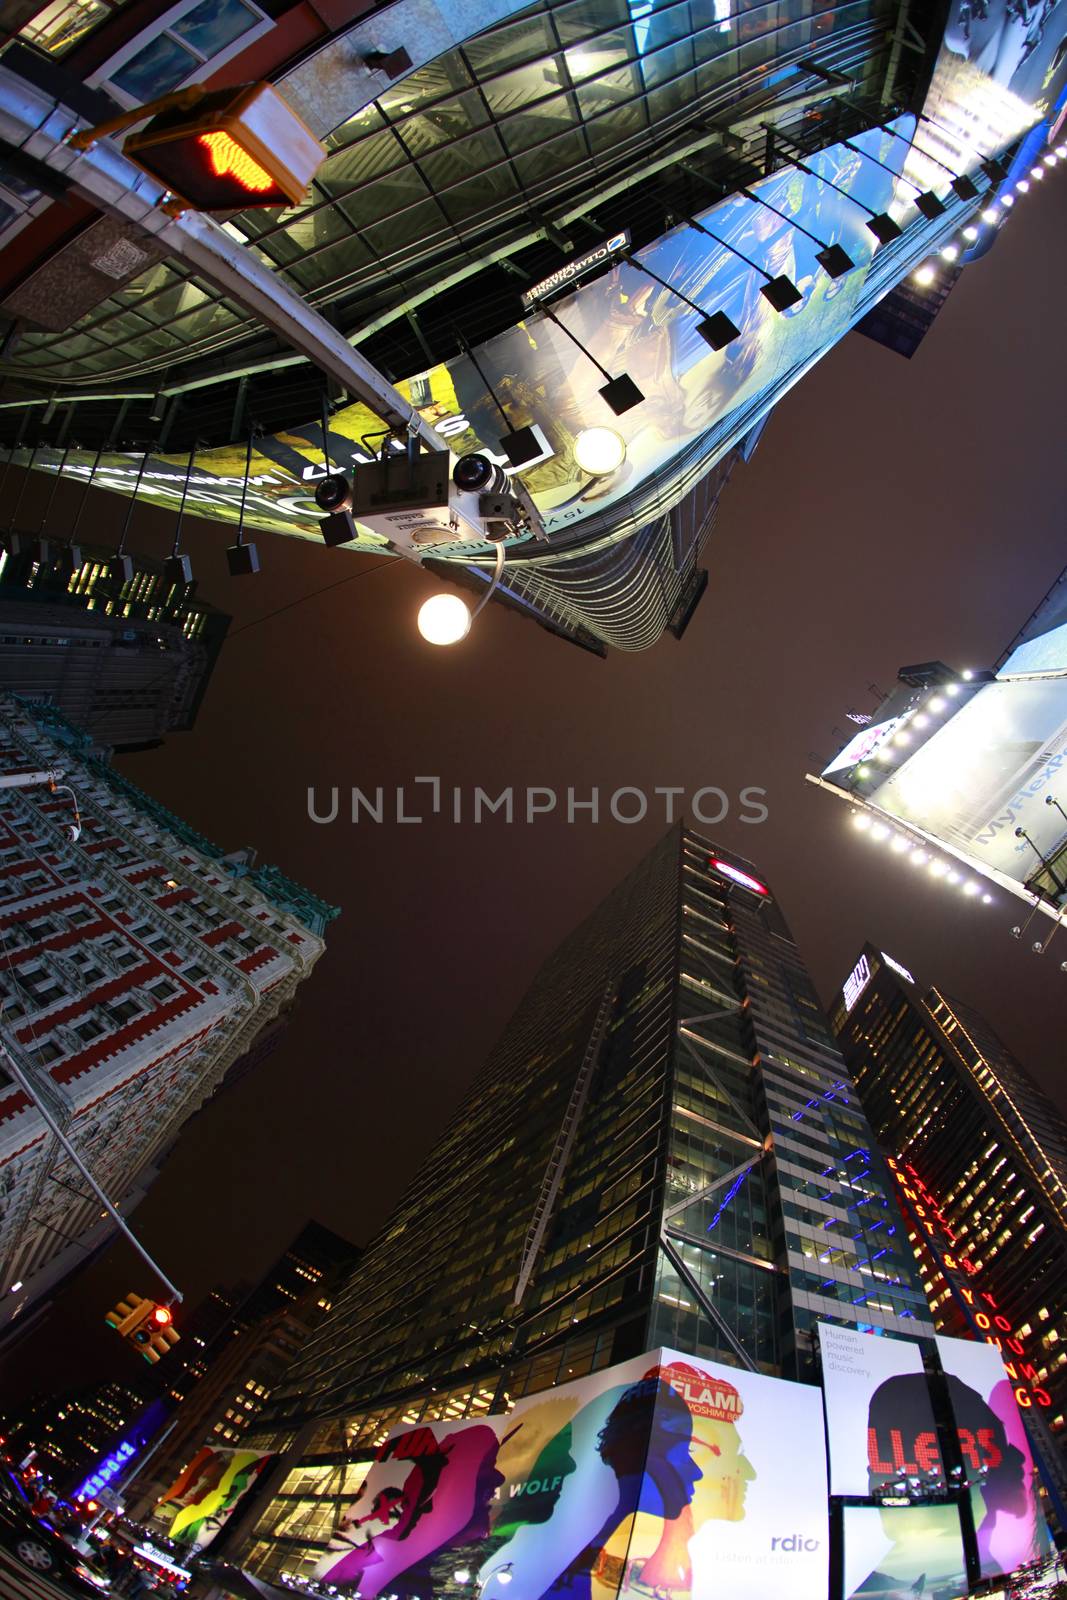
28 1089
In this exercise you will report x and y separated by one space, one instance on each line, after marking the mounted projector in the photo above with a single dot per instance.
412 501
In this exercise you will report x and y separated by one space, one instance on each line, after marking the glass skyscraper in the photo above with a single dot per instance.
947 1097
664 1148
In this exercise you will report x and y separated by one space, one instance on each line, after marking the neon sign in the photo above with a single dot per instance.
856 982
896 966
982 1308
745 879
108 1469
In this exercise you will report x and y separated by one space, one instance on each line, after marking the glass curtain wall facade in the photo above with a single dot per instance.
945 1095
663 1147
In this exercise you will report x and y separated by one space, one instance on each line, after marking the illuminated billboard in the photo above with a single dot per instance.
206 1492
892 1552
883 1437
1009 1524
627 321
986 773
879 1415
665 1473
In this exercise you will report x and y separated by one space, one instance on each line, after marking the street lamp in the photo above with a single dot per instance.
446 618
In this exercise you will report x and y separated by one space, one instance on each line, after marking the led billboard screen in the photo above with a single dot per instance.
904 1553
1008 1520
879 1416
662 1473
883 1436
628 322
987 772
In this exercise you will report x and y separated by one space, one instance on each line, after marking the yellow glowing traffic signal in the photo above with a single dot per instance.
147 1325
230 149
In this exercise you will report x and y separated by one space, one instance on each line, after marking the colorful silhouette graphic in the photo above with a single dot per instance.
208 1490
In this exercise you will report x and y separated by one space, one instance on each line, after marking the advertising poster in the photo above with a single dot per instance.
628 322
1010 1526
904 1553
206 1493
879 1418
987 772
663 1474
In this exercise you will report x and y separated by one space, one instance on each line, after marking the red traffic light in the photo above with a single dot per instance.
161 1317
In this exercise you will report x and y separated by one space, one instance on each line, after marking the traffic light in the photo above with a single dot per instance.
128 1314
233 148
148 1326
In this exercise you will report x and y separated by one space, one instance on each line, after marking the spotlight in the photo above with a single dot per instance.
879 831
970 233
334 496
242 560
990 215
782 293
1022 187
526 446
599 451
883 227
861 820
1051 159
987 899
930 206
621 393
444 619
967 674
718 330
949 252
1037 172
952 688
925 275
953 876
476 474
902 738
938 869
69 560
970 887
178 568
921 720
834 260
917 858
899 845
863 772
937 704
1007 200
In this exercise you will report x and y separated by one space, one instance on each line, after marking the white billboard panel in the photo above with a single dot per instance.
996 1455
879 1417
988 772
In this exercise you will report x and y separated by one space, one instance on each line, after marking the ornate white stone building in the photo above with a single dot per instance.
138 964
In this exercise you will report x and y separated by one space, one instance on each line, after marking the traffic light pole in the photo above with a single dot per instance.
27 1087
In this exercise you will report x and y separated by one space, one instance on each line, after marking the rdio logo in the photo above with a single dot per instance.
794 1542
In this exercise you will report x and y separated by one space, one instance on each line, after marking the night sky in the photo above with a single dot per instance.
894 512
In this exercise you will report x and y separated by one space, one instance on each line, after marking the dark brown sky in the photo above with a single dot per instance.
894 512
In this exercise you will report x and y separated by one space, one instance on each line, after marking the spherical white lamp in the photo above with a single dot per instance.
599 451
444 619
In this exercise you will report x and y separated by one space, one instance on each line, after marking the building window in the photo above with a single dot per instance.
190 40
58 27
